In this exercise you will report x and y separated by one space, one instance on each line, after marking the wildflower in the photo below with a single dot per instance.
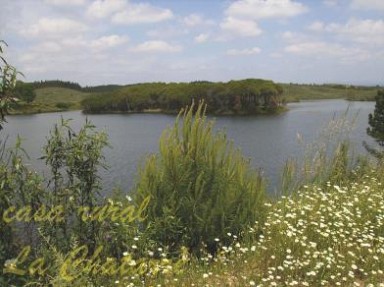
132 263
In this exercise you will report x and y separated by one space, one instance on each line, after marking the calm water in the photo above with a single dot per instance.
267 140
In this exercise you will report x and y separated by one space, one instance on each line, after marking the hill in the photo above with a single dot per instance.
297 92
52 99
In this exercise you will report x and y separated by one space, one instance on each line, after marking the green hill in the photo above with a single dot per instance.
297 92
53 99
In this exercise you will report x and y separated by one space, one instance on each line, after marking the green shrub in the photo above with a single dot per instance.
74 159
201 188
24 91
8 79
63 106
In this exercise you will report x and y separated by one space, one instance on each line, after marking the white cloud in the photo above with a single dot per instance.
65 2
363 31
169 31
243 52
331 3
54 27
108 42
368 4
49 47
241 15
105 8
309 48
244 28
295 37
261 9
74 43
201 38
141 13
352 42
288 35
317 26
57 48
322 49
276 55
194 20
156 46
124 12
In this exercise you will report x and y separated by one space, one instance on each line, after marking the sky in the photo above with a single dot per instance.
130 41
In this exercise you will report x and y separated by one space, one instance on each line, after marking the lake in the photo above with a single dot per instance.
268 140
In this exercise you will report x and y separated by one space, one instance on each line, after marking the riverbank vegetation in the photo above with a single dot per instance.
251 96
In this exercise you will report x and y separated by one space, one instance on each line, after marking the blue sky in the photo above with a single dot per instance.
127 41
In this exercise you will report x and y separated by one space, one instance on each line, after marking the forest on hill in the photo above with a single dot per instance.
250 96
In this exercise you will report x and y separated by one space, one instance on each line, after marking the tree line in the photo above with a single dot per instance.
73 86
25 91
234 97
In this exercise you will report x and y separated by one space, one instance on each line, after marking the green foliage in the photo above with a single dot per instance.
201 188
376 120
8 78
24 92
63 106
101 88
56 84
74 159
19 186
235 97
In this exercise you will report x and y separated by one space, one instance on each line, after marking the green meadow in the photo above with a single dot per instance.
53 99
298 92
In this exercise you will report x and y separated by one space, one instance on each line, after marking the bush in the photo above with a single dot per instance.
201 188
8 76
74 159
63 106
25 92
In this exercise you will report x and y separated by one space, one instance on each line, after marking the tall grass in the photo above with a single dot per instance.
328 157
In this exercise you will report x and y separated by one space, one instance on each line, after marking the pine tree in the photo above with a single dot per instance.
376 120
